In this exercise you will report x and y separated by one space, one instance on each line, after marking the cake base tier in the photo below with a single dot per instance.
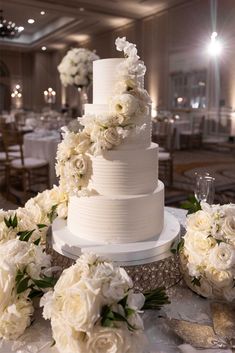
128 254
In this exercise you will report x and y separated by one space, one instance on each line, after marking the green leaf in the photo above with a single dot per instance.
196 281
11 222
155 299
129 312
53 214
25 235
191 205
41 226
19 276
22 285
37 242
177 247
45 282
35 293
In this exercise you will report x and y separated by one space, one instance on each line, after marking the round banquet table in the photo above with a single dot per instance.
185 305
43 145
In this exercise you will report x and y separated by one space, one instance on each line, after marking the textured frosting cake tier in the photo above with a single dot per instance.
130 172
119 219
137 138
104 79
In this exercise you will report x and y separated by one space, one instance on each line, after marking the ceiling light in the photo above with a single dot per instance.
44 48
215 47
31 21
8 29
81 9
42 13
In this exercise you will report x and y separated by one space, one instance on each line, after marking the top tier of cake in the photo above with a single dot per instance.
104 79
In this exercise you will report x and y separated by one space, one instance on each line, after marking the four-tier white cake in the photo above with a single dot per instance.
128 202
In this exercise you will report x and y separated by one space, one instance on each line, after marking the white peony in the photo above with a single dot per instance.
222 256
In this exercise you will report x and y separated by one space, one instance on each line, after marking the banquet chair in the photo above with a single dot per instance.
194 136
161 133
24 174
166 158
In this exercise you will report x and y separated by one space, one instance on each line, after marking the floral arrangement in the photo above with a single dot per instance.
208 251
76 67
128 108
25 268
94 309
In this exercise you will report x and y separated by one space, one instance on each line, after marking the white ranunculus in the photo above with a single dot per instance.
222 256
112 137
110 340
220 279
199 221
16 317
125 104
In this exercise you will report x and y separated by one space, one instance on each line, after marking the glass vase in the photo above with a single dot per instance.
83 99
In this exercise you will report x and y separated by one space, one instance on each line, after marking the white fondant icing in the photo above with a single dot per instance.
130 172
104 79
119 219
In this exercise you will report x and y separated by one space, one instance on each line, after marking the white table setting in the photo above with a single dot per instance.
43 144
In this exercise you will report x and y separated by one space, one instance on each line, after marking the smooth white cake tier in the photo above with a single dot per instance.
122 219
132 172
138 138
104 79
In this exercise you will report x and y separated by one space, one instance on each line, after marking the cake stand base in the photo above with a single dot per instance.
128 254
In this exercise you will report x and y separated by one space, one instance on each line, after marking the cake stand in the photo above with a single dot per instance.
150 263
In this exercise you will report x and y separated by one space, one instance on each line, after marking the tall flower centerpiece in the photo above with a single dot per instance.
76 69
208 251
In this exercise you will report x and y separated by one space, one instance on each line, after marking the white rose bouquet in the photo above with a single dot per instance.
25 273
93 309
76 67
208 251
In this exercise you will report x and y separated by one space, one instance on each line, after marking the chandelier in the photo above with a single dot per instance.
8 29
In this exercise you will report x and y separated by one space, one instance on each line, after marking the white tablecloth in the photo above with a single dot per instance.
43 145
184 305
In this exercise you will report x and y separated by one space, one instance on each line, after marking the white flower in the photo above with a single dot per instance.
15 317
7 282
67 339
199 221
135 301
222 256
220 279
228 229
112 137
110 340
121 43
125 104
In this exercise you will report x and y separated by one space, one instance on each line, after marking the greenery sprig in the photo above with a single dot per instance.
191 205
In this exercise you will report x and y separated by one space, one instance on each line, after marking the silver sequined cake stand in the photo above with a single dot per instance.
150 263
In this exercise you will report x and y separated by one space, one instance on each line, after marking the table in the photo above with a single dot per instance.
184 305
180 126
43 145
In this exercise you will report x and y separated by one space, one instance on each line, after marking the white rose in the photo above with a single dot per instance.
81 306
197 246
67 339
80 164
228 228
125 104
222 256
7 283
220 279
16 317
199 221
112 137
68 278
111 340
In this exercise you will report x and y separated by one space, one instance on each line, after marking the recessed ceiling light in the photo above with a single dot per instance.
42 13
81 9
20 29
44 48
31 21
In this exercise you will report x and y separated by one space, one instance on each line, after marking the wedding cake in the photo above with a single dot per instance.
111 171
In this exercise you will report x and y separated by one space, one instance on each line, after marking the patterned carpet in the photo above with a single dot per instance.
221 165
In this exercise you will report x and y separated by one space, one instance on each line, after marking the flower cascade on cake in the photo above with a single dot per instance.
208 252
76 67
105 131
93 309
